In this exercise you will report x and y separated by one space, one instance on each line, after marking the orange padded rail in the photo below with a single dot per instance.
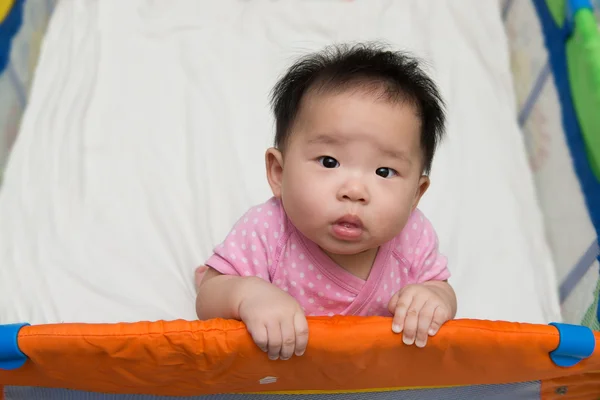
344 354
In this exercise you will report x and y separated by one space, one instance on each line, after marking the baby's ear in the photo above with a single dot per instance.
423 186
274 165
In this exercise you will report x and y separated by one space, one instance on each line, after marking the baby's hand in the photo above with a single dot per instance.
275 320
420 310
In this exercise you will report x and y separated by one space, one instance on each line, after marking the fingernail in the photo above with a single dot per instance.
273 358
299 353
396 328
408 341
432 332
420 343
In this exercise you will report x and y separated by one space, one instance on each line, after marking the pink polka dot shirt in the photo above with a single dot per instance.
264 243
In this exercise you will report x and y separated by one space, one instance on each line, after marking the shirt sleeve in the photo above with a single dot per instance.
427 263
249 248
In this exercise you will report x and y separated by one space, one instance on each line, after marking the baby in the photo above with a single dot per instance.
356 131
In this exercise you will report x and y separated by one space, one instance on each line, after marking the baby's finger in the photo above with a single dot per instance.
393 302
288 338
404 301
412 319
274 345
425 319
439 317
259 335
301 328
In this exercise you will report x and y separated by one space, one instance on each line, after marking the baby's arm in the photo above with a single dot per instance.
421 308
273 318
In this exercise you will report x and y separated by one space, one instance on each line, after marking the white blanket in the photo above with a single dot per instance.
144 139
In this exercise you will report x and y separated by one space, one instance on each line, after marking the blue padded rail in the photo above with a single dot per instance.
576 343
11 357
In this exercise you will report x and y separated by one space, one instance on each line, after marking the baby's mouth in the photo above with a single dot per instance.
349 227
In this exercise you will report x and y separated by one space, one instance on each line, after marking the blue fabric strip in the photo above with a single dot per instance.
534 94
579 270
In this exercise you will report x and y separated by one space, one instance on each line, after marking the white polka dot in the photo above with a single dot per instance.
397 280
338 294
285 289
287 254
247 273
278 282
293 247
255 221
330 314
255 261
399 248
243 246
311 300
233 232
410 250
244 260
232 244
293 265
253 247
321 308
349 298
302 275
321 294
269 262
271 248
246 219
392 274
233 257
259 209
385 286
269 213
253 234
379 299
319 276
276 234
421 217
285 272
406 236
425 232
330 302
301 256
415 226
406 270
392 293
244 232
427 262
266 224
259 275
302 292
294 283
263 238
418 250
328 286
311 285
311 267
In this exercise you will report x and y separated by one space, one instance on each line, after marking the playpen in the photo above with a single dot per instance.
99 231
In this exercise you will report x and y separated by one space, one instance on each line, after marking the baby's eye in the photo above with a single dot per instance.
385 172
329 162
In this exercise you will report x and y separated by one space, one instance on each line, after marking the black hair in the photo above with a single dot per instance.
340 67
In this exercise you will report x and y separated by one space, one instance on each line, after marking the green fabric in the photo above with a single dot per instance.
583 59
589 319
557 9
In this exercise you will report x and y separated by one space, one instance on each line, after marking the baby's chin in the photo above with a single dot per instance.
346 248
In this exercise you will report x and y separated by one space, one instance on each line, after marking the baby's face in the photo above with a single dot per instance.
352 170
